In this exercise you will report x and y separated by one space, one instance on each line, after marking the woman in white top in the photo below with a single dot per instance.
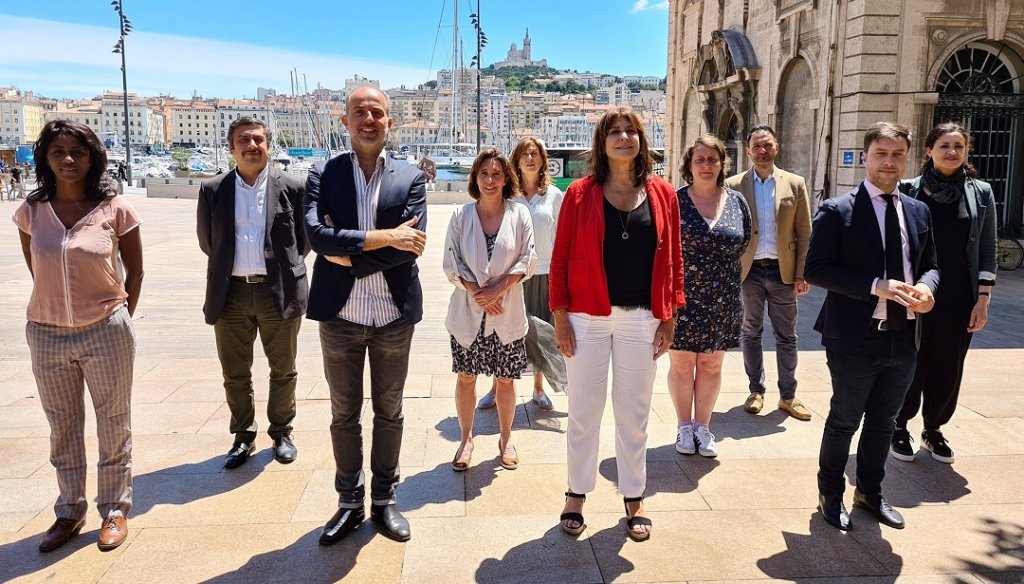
488 253
543 199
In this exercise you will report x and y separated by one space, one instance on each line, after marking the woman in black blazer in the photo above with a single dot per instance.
964 222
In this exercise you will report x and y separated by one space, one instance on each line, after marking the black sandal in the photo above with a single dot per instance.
632 522
573 516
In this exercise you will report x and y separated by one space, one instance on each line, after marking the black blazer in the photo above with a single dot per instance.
331 190
846 254
285 242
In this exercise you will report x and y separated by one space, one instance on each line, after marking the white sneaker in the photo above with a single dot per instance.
706 442
684 440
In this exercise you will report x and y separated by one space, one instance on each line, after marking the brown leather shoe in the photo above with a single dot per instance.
60 533
113 532
796 409
754 403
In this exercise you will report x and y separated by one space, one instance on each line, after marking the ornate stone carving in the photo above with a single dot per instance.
940 36
997 13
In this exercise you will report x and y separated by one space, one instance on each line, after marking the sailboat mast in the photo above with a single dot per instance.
455 72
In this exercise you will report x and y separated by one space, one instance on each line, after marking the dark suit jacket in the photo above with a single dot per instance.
331 190
846 255
285 242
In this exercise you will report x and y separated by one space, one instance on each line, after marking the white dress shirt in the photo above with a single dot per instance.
370 303
879 204
544 209
764 198
250 226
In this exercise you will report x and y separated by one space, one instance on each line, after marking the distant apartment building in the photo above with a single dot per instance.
145 125
412 105
194 124
229 110
21 119
642 80
419 132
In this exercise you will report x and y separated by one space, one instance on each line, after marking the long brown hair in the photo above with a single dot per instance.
940 131
97 185
642 164
543 180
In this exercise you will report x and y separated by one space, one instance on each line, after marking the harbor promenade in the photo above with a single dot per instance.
747 516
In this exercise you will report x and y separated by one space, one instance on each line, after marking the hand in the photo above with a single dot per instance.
340 260
900 292
801 287
490 294
407 238
565 338
494 309
925 298
979 315
328 221
663 337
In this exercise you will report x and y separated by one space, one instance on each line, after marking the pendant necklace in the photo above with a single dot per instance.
625 224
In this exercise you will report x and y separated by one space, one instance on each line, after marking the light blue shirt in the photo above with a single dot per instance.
764 198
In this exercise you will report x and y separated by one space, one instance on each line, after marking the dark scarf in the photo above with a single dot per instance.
948 190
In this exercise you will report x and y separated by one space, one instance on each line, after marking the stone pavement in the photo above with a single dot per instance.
747 516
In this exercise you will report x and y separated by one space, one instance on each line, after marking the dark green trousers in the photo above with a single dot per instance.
249 310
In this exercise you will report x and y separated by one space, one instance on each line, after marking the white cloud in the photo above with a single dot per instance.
641 5
60 59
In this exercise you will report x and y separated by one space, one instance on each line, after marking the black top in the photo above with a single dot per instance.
630 240
951 235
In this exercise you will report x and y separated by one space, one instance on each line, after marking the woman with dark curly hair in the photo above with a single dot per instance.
77 235
487 255
715 231
964 222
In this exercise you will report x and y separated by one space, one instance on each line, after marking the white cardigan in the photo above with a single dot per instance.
465 256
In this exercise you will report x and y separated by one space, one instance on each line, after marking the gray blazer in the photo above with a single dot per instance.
982 242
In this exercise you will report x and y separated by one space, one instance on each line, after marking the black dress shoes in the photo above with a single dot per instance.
344 521
880 508
394 525
284 449
239 453
834 511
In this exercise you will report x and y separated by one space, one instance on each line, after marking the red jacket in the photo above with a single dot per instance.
577 280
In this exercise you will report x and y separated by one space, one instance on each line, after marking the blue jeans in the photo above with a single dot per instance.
868 383
763 284
345 347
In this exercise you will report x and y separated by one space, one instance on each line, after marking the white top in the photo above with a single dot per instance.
465 256
544 208
764 198
370 303
879 204
250 226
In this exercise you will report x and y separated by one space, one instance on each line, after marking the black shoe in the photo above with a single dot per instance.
880 508
934 442
284 449
239 453
394 525
344 521
902 446
834 511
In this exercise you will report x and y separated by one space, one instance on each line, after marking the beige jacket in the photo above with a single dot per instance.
792 221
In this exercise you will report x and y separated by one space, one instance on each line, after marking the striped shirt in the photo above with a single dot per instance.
370 303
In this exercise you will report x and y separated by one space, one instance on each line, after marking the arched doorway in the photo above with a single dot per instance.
729 133
980 87
796 118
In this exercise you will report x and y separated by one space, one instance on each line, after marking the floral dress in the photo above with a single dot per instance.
713 314
487 356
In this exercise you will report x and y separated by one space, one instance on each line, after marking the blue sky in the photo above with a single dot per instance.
228 48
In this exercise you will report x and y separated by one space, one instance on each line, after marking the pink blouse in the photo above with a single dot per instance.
77 276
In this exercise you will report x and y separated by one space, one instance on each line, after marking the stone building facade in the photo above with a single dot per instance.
822 71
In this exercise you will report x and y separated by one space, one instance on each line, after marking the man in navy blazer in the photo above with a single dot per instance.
366 216
249 223
867 322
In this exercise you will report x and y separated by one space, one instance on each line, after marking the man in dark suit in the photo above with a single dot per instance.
250 225
365 217
872 249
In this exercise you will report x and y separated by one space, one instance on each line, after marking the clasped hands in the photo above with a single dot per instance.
490 298
404 237
918 298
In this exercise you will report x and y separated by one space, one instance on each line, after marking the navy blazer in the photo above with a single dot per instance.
285 244
331 190
846 254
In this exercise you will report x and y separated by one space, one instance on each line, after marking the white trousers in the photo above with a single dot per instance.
625 338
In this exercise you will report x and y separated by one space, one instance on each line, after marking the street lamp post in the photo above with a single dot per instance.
481 42
126 27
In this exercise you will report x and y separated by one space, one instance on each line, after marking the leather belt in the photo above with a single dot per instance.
878 324
251 279
766 262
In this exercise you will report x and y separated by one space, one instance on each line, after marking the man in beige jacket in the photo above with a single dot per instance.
773 267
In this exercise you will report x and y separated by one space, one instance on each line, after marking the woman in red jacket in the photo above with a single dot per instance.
616 280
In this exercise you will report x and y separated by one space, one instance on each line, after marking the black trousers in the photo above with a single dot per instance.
940 363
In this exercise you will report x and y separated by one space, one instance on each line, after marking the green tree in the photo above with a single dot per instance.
432 84
513 83
181 158
573 86
555 87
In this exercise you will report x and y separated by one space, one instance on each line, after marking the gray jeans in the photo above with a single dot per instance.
764 285
345 346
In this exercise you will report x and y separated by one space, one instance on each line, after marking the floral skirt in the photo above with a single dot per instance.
487 356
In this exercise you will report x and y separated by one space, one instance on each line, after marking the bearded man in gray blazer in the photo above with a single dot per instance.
249 223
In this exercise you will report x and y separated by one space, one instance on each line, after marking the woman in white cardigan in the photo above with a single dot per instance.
488 253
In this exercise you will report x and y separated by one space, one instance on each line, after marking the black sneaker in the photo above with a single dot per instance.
934 442
902 447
